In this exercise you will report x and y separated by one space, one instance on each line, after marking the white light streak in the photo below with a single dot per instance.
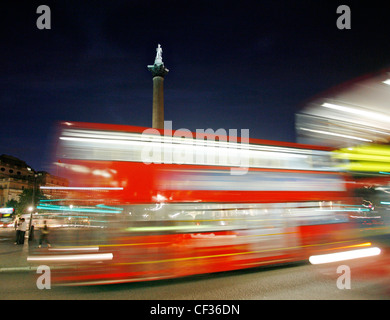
81 188
75 257
345 255
75 249
359 112
144 139
335 134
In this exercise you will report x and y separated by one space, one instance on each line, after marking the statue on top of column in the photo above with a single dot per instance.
158 55
158 68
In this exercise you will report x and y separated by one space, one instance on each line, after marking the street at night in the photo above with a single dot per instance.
285 283
298 281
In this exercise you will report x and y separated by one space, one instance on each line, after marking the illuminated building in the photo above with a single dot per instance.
13 167
48 180
16 175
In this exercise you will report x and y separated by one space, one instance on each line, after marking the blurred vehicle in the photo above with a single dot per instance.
7 217
161 204
373 194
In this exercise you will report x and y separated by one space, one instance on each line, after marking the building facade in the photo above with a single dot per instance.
16 175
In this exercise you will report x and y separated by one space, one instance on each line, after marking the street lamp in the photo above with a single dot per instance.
31 208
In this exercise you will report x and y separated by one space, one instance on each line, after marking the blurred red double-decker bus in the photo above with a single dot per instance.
162 204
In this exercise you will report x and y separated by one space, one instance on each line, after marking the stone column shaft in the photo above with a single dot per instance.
158 102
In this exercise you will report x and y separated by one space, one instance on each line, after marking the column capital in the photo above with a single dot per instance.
158 70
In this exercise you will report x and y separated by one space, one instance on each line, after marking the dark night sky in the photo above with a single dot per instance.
233 65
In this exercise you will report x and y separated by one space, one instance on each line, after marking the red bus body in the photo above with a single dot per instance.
149 220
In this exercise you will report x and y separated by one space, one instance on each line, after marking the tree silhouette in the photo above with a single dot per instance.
11 203
26 200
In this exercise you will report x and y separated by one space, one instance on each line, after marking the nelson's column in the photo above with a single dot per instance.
158 71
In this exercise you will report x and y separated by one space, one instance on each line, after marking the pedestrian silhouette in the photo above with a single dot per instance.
21 231
31 233
44 235
17 229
